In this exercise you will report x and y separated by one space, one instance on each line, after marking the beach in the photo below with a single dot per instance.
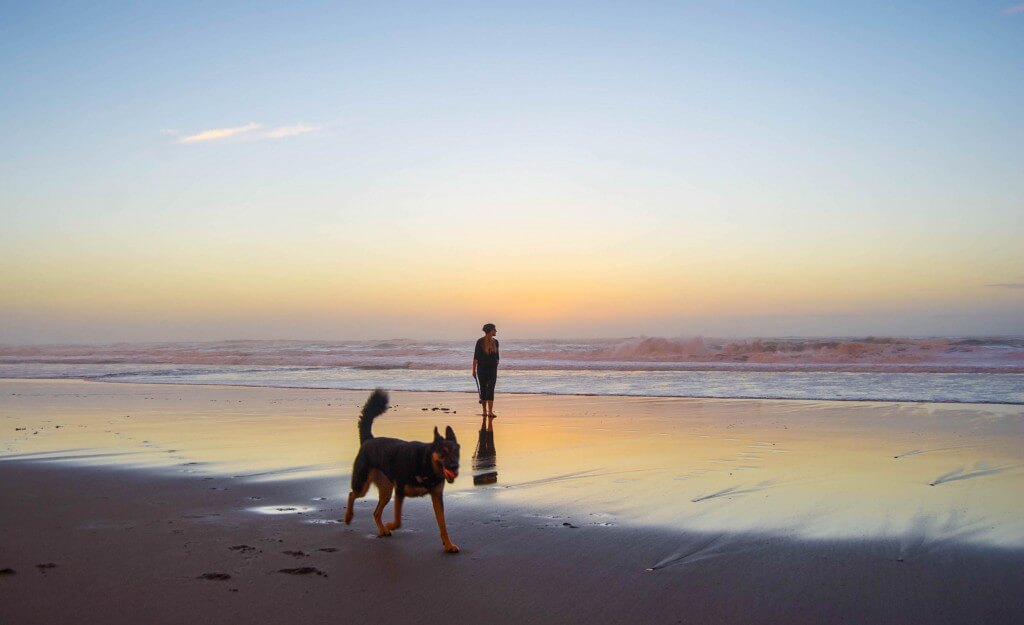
127 503
746 279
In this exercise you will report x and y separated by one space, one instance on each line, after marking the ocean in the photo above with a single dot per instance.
966 370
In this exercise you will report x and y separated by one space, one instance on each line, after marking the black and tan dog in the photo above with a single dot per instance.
407 468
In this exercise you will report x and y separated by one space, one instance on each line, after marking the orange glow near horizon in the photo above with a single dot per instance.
345 282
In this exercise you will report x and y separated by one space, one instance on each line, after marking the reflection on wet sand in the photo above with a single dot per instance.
919 474
485 456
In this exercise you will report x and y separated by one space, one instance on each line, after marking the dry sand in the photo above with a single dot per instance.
606 510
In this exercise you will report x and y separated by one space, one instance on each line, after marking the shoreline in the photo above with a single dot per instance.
537 394
603 366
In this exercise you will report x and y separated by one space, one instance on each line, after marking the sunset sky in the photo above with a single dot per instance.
375 170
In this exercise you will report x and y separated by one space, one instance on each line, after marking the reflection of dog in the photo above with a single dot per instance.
409 468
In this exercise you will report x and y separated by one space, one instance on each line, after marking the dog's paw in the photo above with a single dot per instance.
451 548
384 533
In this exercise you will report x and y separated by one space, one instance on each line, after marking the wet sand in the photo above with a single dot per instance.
170 504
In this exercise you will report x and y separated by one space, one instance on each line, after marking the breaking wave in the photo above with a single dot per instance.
891 369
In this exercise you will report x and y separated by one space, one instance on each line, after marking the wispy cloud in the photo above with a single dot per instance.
1017 8
289 131
1007 285
216 134
219 133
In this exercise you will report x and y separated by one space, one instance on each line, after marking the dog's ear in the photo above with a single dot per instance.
449 434
437 435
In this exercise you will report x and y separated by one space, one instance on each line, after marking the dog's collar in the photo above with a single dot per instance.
428 481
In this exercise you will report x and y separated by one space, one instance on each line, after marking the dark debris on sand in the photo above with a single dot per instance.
7 571
303 570
44 567
215 576
297 554
242 548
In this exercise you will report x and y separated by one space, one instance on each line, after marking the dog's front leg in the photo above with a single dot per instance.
399 498
437 497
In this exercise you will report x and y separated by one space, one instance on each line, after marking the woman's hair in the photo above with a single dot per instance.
490 345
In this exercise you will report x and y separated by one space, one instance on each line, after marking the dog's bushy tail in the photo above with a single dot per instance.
375 406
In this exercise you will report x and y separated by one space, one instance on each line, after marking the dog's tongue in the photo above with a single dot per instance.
449 474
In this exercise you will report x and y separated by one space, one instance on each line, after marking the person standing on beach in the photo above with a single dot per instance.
485 368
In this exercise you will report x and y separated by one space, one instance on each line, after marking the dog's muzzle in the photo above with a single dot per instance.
450 475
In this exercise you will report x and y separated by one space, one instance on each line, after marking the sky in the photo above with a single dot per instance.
317 170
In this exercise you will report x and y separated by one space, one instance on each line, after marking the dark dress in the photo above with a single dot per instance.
486 369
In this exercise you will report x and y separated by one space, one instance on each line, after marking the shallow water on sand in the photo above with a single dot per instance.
927 475
853 385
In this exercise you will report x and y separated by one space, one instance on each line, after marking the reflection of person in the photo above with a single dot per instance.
485 368
485 456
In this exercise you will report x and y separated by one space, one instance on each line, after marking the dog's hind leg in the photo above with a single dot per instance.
358 490
399 498
384 489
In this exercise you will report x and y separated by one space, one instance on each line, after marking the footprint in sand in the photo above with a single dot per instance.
243 548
